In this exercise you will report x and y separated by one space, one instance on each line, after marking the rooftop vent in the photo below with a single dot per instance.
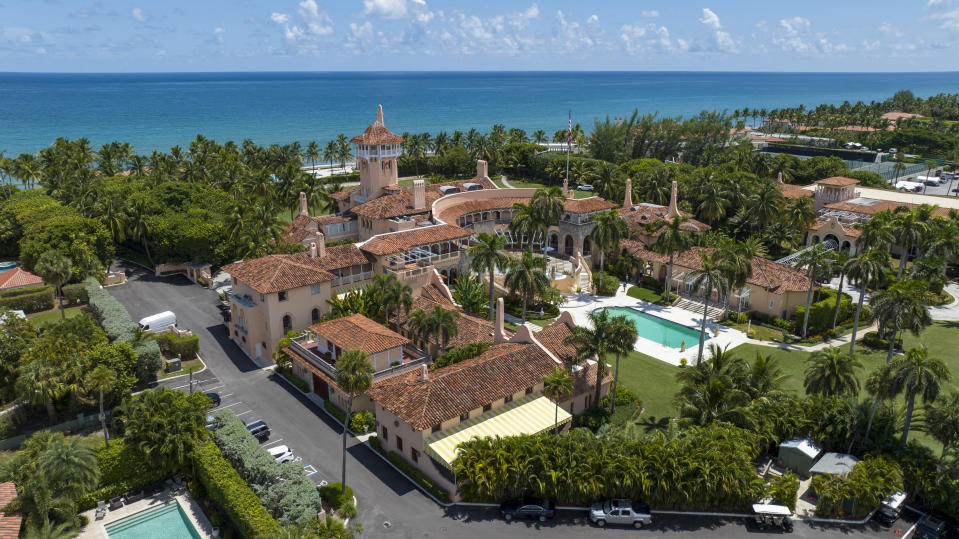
470 186
449 189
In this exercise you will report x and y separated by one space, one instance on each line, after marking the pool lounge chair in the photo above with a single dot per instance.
101 510
116 503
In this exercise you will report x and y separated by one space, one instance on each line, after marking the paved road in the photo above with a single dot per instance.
389 506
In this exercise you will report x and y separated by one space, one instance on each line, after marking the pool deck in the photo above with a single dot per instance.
96 529
580 306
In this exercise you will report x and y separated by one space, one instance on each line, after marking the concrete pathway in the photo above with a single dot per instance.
947 312
838 341
506 182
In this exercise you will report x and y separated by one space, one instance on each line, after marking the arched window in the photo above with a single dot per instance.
287 323
587 247
315 315
568 245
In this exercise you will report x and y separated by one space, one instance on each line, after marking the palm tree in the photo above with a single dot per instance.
918 375
832 372
710 276
595 342
55 269
40 384
527 221
942 422
312 152
881 385
70 466
439 323
839 260
623 337
865 269
908 229
817 263
330 153
343 150
539 136
672 239
557 385
354 376
610 229
396 296
527 276
102 379
488 256
876 233
904 305
549 203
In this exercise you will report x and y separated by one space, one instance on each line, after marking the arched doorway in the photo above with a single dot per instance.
831 237
554 242
568 245
587 246
287 323
315 315
846 246
815 240
453 274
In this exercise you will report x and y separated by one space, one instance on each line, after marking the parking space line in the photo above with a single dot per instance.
278 440
227 395
243 413
213 388
180 387
233 404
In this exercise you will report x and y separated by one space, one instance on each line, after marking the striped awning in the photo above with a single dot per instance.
532 414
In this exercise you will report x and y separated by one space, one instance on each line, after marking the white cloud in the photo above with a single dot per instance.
721 40
386 9
311 22
593 19
572 36
794 25
280 18
889 30
138 14
950 20
638 39
218 34
649 13
710 19
521 19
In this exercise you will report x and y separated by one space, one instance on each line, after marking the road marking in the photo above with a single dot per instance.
273 442
234 404
309 469
242 413
227 395
212 388
180 387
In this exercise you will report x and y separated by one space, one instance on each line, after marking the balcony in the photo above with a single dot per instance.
240 328
308 350
243 300
378 151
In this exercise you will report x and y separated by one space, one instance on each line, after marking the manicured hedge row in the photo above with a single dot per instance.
231 493
116 321
335 410
820 312
122 468
285 491
75 294
186 347
28 300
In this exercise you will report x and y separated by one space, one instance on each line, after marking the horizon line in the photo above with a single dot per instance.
461 71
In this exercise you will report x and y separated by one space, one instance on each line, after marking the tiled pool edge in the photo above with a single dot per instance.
96 529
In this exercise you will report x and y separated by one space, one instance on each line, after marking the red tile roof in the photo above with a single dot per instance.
553 337
875 206
640 215
469 328
587 205
377 133
357 332
273 273
838 181
303 226
452 213
388 206
18 278
502 370
794 191
10 522
397 242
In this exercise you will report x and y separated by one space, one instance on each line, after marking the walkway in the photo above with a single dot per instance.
506 182
831 343
947 312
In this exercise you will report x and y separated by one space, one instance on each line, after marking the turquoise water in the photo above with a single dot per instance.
167 521
657 329
154 111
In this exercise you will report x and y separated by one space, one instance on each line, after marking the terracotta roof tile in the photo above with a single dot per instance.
344 194
502 370
838 181
875 206
388 206
587 205
273 273
396 242
640 215
469 328
553 337
357 332
304 226
794 191
452 213
10 522
377 133
18 277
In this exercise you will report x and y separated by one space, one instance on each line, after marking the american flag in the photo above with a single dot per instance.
569 137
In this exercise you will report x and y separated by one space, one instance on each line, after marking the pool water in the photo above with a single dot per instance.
657 329
167 521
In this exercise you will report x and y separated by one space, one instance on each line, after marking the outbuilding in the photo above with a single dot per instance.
799 455
834 463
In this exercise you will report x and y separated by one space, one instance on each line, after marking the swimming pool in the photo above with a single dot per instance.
165 521
657 329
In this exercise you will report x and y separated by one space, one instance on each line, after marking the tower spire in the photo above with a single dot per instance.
673 209
379 114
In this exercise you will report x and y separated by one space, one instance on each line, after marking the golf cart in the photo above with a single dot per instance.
772 516
891 508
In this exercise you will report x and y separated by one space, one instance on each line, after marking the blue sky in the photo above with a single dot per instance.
317 35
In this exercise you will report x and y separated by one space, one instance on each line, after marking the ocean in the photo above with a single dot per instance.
158 110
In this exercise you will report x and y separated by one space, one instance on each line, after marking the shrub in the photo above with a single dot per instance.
122 468
462 353
606 284
228 490
783 490
172 344
149 360
335 410
285 369
29 300
623 397
439 492
348 509
362 422
115 320
514 306
75 294
332 496
872 340
592 419
742 318
820 312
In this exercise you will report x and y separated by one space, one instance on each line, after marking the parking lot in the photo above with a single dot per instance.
389 505
947 187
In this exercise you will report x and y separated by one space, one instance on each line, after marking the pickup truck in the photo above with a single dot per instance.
620 511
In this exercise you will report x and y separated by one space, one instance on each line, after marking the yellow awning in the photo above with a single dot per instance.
532 414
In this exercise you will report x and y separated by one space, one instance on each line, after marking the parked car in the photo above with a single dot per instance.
893 151
281 453
931 528
259 430
584 187
158 322
891 508
626 512
215 397
528 508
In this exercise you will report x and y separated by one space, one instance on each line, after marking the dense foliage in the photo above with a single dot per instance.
122 468
28 300
116 321
186 347
859 492
462 353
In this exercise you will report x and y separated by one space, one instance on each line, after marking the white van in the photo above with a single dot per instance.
928 180
158 322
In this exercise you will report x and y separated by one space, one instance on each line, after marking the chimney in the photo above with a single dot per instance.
482 171
673 210
379 114
424 373
312 249
419 195
628 197
320 245
498 335
304 209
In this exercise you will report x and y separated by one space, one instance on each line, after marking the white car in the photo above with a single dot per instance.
585 187
281 453
627 512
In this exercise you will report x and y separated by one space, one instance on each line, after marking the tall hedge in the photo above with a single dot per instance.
186 347
116 321
820 312
231 493
122 467
28 300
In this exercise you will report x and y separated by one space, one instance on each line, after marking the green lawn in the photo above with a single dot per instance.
652 380
195 363
530 185
53 316
644 294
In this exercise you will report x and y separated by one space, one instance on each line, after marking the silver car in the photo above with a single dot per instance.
621 511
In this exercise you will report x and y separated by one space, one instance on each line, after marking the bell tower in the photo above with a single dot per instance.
376 151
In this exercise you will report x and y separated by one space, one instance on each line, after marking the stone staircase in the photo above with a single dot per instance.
714 313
